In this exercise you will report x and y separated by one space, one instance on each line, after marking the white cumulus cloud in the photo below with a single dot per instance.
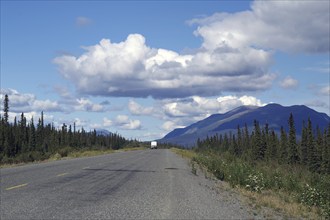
289 83
26 102
137 109
170 125
181 112
132 69
107 122
124 122
290 26
83 104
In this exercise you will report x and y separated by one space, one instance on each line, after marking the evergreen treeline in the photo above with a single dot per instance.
263 144
23 141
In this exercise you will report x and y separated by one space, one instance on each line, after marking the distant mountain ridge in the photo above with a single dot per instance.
273 114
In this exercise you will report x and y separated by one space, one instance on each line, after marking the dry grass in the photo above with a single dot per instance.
184 153
89 153
131 149
75 154
280 202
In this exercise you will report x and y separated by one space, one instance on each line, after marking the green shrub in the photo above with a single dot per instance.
35 156
238 173
56 156
316 197
255 182
7 160
291 183
64 152
276 181
308 188
193 168
325 212
311 196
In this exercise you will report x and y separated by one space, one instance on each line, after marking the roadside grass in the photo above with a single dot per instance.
89 153
290 190
68 153
131 149
280 202
189 154
184 153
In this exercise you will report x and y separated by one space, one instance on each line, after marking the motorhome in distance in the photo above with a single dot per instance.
153 145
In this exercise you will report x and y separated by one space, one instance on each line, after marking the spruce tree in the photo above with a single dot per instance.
6 127
24 138
311 149
2 136
246 138
32 136
319 148
239 142
293 156
271 151
325 165
16 135
327 151
303 145
6 109
283 147
258 145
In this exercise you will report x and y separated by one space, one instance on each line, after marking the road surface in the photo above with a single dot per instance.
144 184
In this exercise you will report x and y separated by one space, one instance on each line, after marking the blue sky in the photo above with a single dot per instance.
144 68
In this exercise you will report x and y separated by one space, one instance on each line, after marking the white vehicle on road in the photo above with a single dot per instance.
153 145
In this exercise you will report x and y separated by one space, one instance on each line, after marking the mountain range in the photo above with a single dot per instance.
274 115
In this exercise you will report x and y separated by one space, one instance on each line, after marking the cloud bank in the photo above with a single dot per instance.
26 102
181 112
123 122
132 69
289 26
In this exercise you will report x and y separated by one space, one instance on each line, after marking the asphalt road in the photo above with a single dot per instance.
145 184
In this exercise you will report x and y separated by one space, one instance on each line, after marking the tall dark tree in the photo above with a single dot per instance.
40 133
324 153
2 136
303 145
283 147
325 166
271 151
6 128
319 148
6 109
313 164
293 156
239 144
246 137
16 138
258 147
32 136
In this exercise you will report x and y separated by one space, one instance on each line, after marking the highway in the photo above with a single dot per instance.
143 184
